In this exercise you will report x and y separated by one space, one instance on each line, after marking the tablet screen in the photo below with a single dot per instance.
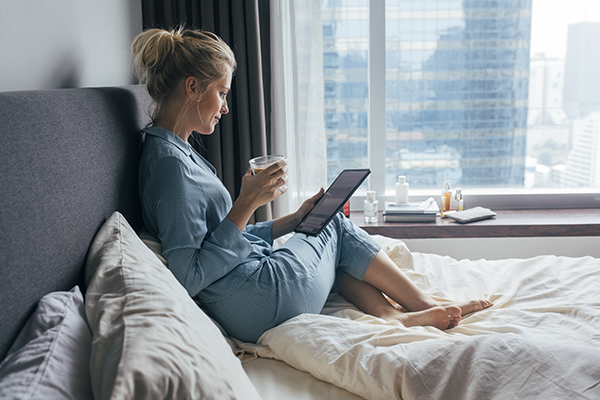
334 198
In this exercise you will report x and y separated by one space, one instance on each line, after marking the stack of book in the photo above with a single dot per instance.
424 211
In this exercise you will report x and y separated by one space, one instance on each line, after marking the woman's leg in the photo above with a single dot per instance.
371 301
384 275
381 274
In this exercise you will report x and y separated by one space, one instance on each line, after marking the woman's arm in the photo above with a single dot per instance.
258 190
186 206
284 225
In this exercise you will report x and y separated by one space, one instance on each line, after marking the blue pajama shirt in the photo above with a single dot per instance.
243 283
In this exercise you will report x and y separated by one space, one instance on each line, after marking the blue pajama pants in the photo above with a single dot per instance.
295 279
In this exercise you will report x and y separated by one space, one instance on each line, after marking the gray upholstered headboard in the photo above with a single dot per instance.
68 159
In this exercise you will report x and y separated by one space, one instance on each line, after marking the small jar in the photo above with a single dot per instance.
371 207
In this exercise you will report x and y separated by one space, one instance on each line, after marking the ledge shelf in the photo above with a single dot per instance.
507 223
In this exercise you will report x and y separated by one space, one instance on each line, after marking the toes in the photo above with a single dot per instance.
453 311
475 305
454 316
481 304
454 321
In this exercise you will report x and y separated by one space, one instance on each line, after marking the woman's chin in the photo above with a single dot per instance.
205 132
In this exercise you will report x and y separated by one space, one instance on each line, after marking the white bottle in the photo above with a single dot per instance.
371 207
401 190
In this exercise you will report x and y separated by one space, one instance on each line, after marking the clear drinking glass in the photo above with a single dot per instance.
260 163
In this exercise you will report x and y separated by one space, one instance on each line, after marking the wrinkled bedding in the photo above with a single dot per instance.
541 339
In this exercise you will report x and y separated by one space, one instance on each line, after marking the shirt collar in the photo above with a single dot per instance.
169 137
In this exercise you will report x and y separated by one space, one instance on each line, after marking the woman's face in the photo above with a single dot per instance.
213 104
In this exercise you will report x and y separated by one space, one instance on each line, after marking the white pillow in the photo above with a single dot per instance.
154 244
150 340
50 358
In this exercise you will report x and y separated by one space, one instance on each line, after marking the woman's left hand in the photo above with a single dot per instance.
286 224
307 205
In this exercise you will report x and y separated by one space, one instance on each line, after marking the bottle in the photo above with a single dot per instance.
457 200
401 190
371 207
446 198
346 209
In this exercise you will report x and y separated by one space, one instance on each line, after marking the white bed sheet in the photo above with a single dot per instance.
276 380
541 339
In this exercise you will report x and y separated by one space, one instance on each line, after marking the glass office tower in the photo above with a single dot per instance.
345 56
456 89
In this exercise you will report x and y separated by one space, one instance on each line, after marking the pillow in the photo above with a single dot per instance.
50 358
150 340
245 355
153 244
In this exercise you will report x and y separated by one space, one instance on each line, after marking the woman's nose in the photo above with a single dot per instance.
224 108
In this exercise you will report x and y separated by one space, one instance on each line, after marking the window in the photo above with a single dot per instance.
494 96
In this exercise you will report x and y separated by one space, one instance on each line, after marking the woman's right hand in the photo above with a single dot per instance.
265 186
258 190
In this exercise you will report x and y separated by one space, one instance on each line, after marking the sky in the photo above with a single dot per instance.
550 19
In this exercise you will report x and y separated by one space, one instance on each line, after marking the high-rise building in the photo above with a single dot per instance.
582 80
456 89
345 54
582 168
464 89
546 83
582 104
548 128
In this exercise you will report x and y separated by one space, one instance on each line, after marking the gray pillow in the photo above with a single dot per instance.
51 356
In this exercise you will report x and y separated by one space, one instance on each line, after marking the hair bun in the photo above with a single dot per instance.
177 35
151 49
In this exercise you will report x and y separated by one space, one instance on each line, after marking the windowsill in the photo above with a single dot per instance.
505 199
507 223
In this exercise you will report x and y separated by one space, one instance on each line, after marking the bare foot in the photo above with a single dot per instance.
470 306
465 307
441 317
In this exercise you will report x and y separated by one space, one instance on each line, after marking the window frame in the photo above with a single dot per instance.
491 198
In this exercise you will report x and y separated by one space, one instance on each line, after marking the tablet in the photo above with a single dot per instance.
332 201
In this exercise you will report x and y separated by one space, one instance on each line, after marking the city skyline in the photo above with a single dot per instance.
436 94
456 90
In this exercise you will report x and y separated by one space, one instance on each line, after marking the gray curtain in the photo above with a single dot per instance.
244 133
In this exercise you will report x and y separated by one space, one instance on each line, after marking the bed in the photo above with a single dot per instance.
89 309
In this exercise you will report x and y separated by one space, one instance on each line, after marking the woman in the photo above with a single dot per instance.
229 266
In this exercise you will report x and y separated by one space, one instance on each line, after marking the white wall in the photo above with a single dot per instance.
66 43
501 248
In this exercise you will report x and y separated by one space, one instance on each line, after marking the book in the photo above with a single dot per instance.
424 211
410 218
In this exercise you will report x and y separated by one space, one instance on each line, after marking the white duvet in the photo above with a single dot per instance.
541 339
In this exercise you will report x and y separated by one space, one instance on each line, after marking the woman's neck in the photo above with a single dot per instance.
171 117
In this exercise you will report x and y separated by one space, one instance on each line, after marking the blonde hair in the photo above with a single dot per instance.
164 58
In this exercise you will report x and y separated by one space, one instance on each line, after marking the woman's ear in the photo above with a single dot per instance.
191 88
